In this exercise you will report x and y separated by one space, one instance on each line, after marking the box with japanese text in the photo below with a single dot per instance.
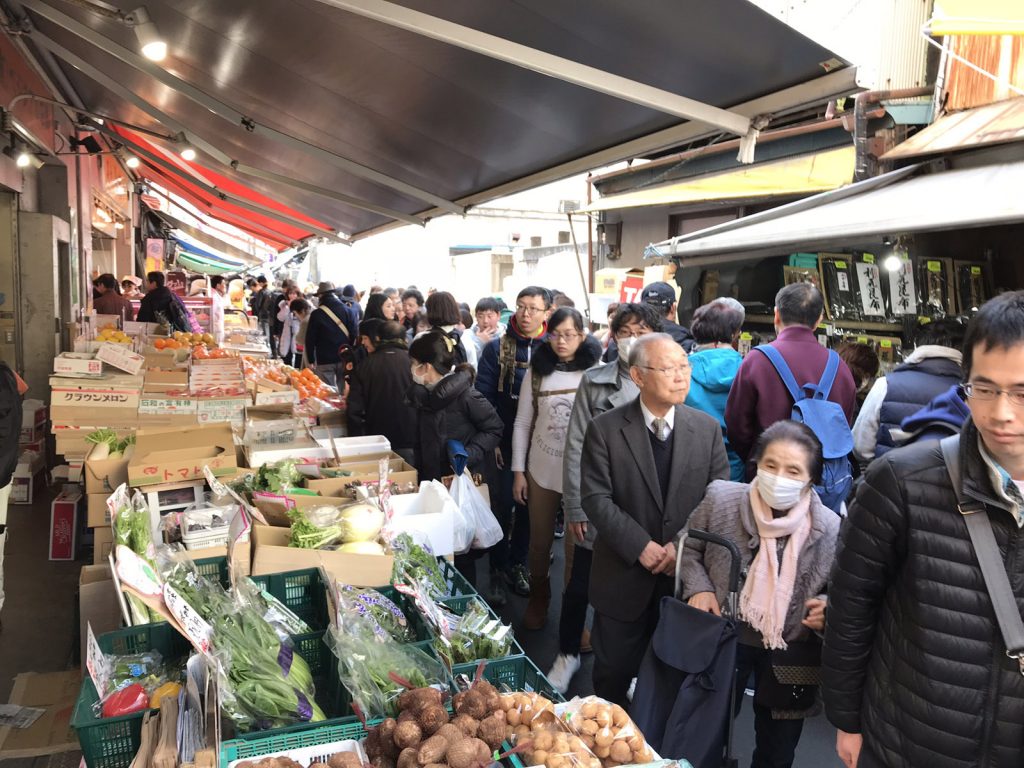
180 453
104 475
120 357
77 364
64 523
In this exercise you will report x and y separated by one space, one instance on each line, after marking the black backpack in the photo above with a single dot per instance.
10 423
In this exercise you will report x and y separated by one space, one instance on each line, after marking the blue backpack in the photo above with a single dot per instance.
826 419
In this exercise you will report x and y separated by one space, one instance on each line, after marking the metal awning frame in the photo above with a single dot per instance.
187 136
229 113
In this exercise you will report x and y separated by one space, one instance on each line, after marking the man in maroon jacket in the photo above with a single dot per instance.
758 397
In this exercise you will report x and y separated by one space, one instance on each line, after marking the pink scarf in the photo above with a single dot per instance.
764 600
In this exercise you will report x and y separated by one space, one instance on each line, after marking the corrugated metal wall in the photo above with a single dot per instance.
882 37
1002 56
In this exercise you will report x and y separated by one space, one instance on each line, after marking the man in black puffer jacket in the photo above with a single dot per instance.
915 670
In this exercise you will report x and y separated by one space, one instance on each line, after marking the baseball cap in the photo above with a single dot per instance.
659 294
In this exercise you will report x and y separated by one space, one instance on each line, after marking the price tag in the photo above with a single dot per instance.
840 265
975 270
886 343
862 339
868 258
934 266
745 336
192 624
96 663
238 530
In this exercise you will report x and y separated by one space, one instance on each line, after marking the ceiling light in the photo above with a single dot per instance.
102 213
188 154
24 159
152 45
131 161
893 263
118 225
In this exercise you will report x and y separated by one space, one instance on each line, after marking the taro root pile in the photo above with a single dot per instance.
424 736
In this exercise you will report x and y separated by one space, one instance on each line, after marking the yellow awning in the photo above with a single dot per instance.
803 175
977 17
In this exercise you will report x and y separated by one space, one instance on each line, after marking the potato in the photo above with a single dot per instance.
344 760
407 735
418 698
643 756
383 762
506 702
543 740
407 758
492 732
588 741
432 750
521 732
387 728
603 717
514 717
589 710
450 733
619 716
469 753
318 764
588 726
604 737
538 757
602 751
431 717
474 704
620 751
557 761
466 724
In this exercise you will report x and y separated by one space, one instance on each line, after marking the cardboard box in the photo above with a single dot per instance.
27 477
102 543
54 692
176 454
163 381
104 475
213 410
427 516
274 507
97 602
121 419
135 328
33 421
120 356
271 554
96 513
77 364
64 523
365 474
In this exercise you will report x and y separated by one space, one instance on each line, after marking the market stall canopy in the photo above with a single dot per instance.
362 122
976 17
204 238
803 175
901 202
998 123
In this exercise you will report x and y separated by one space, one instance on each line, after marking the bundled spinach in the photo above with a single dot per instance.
415 564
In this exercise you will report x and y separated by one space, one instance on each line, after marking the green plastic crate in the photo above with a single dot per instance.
513 673
113 741
405 604
458 586
290 738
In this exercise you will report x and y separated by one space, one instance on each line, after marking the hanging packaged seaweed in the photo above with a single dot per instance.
935 289
971 285
869 282
840 282
903 290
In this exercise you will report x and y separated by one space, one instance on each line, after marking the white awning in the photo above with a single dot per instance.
901 202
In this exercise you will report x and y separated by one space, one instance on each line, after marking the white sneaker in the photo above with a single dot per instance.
632 689
562 671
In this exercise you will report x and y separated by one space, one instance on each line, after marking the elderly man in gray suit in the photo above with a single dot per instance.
645 467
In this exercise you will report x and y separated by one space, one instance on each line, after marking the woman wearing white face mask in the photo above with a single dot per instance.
787 541
449 407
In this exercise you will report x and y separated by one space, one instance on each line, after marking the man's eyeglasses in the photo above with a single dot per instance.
522 308
632 334
680 370
570 337
987 392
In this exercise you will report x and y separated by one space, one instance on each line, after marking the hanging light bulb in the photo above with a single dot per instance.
131 161
153 46
188 154
24 159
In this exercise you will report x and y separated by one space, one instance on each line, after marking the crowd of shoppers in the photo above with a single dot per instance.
677 430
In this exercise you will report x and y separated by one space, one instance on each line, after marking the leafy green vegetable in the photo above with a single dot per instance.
278 477
474 635
414 563
307 535
130 521
385 618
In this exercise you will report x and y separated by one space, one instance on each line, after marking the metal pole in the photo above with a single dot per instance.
579 264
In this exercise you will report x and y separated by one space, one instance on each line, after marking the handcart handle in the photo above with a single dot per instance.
711 538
